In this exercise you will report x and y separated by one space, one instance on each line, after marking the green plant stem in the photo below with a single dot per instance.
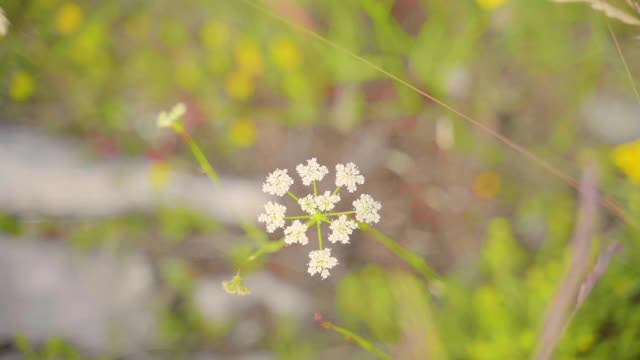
319 235
340 213
292 196
362 342
411 258
266 248
297 217
315 188
336 190
199 155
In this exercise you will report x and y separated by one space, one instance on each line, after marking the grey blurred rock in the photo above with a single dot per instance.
612 119
45 175
99 301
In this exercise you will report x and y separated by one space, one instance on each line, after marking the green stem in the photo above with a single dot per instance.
362 342
297 217
319 235
413 259
315 188
293 196
337 189
340 213
199 155
266 248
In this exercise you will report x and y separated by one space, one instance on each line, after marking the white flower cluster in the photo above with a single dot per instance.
168 119
318 208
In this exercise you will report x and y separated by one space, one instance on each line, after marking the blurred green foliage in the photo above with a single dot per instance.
497 313
104 68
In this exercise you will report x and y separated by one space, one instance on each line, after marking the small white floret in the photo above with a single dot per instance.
341 229
321 261
296 233
327 201
277 183
367 209
168 119
349 176
312 171
273 216
308 204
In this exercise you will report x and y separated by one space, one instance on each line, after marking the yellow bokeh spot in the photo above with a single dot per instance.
286 54
21 86
627 159
490 4
159 174
68 18
242 133
239 85
214 35
187 75
487 184
248 57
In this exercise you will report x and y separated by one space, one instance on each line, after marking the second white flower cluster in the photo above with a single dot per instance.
317 209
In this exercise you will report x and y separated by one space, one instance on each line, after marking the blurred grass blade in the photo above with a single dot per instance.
350 335
608 10
200 157
411 258
557 314
624 61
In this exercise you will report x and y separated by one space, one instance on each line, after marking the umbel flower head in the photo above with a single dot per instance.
318 209
172 117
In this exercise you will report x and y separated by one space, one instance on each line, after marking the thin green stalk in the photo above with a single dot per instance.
411 258
315 188
340 213
319 235
350 335
297 217
337 189
266 248
292 196
199 155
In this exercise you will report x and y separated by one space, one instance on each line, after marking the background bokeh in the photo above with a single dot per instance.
114 245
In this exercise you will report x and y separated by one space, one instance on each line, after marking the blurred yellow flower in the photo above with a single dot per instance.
242 133
239 85
248 57
21 86
627 159
285 54
487 184
159 174
490 4
68 18
214 35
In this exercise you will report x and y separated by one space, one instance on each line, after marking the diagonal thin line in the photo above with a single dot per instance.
624 61
606 201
